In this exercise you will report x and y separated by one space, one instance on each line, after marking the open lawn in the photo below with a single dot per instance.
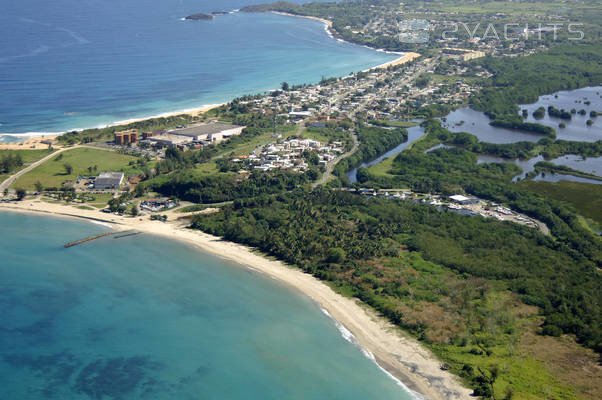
539 8
584 197
398 124
28 157
53 173
383 167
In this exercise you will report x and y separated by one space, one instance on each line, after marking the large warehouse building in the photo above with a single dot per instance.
206 133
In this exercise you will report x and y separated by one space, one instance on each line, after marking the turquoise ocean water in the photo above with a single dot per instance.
143 317
70 64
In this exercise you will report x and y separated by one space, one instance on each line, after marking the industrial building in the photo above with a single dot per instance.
214 132
463 200
109 180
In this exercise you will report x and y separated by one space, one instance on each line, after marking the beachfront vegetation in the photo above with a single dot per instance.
81 162
456 283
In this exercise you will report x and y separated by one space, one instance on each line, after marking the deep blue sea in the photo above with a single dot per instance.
68 64
143 317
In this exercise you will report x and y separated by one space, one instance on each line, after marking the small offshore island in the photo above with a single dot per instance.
432 206
199 17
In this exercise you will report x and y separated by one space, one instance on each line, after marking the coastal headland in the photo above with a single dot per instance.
399 355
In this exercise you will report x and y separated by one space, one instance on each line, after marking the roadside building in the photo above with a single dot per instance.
109 180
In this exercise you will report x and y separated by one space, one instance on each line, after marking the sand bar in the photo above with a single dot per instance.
400 355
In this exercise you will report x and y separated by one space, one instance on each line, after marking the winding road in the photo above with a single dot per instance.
326 175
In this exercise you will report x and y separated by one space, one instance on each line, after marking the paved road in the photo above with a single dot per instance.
9 181
326 176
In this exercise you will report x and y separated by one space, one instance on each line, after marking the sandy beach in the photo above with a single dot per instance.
35 142
407 57
324 20
31 143
398 354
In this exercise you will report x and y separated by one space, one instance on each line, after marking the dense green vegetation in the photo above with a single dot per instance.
430 272
547 147
584 197
455 170
515 123
187 185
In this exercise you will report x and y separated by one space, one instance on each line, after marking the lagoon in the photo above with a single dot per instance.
468 120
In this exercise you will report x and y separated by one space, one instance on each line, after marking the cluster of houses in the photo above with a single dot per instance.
289 154
155 205
380 93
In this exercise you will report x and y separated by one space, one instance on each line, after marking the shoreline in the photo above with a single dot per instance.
34 138
323 20
405 58
398 355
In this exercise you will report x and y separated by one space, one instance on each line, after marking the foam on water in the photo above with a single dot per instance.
143 317
350 337
142 61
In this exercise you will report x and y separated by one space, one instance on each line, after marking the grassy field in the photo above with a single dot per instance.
28 157
53 173
398 124
584 197
540 8
382 168
207 168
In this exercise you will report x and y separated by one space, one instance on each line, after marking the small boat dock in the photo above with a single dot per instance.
116 234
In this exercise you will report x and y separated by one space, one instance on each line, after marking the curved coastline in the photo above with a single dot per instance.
399 355
404 57
191 109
